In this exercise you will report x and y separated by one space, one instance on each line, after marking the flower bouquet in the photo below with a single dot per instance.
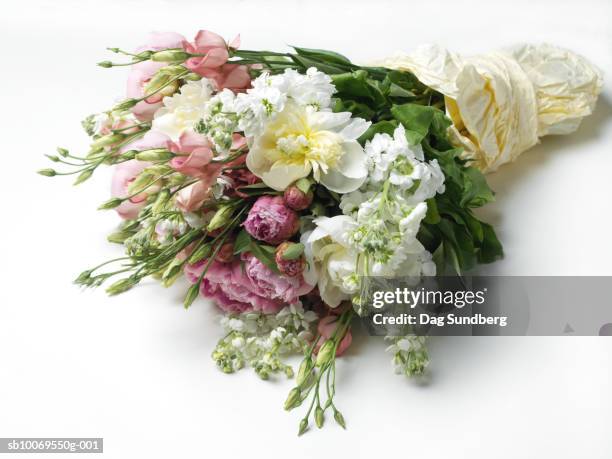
275 181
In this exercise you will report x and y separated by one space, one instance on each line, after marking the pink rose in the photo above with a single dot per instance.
191 198
213 50
213 64
142 73
252 287
124 174
271 221
194 153
327 326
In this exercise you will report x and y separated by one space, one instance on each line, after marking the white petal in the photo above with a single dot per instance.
336 227
355 129
335 181
280 177
324 121
352 164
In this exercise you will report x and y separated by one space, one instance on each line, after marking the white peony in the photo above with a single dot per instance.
301 140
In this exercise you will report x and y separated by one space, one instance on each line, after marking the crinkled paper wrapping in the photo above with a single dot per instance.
502 102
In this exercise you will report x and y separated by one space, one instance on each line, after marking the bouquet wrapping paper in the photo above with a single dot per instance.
502 102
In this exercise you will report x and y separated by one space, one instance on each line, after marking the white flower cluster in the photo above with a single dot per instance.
409 354
259 340
390 205
270 93
377 235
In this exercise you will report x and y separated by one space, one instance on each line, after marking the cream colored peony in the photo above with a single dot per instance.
301 140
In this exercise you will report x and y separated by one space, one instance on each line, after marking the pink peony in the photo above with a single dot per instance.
142 73
252 287
296 198
289 268
327 326
271 221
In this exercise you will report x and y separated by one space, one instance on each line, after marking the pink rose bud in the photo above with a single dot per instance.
271 221
296 198
290 259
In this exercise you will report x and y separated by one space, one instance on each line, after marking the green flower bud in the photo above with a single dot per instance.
339 419
122 285
192 294
118 237
105 64
53 158
111 204
221 217
303 426
170 55
289 372
125 105
319 417
107 140
62 152
201 252
294 399
304 371
156 154
47 172
83 176
160 203
326 353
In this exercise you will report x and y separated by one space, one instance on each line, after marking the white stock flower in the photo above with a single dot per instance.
184 109
332 259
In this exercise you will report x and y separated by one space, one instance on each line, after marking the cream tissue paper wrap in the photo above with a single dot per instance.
502 102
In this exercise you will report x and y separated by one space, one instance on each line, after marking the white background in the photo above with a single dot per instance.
136 369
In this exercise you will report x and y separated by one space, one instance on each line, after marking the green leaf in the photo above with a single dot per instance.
323 55
293 252
242 242
476 191
262 253
382 127
432 217
415 118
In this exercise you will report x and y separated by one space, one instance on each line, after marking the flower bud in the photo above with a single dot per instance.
170 55
199 254
125 105
105 64
339 419
326 353
303 426
294 399
85 175
122 285
289 259
156 154
47 172
192 294
107 140
304 371
296 198
221 217
111 204
319 417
